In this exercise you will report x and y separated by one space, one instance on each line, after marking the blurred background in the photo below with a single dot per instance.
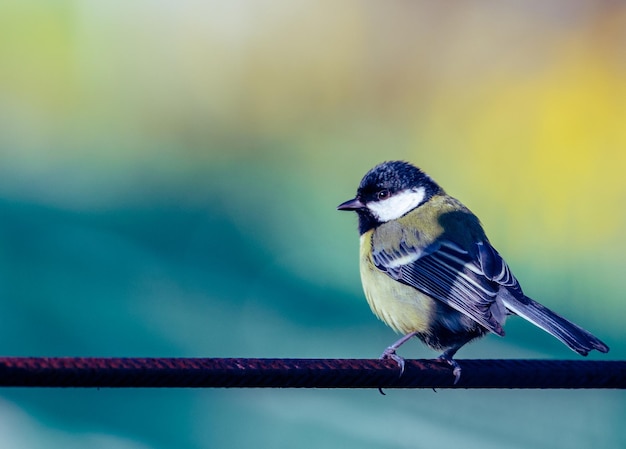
169 173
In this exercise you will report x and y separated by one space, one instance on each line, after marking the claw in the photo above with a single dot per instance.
390 353
456 368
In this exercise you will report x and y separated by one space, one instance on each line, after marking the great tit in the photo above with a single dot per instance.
429 271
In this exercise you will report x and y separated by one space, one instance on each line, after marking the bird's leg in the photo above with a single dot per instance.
390 352
447 357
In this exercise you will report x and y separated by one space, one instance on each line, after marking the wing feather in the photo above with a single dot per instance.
450 274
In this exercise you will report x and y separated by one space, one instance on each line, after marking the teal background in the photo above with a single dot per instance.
169 173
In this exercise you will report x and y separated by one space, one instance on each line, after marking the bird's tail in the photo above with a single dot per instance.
574 336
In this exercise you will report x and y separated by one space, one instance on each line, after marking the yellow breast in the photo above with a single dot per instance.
401 307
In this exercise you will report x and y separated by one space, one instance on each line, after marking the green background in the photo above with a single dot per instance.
169 173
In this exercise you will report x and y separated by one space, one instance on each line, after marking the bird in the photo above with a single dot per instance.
429 271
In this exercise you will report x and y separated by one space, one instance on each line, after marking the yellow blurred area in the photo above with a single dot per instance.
548 148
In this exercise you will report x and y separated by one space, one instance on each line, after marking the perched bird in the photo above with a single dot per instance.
429 271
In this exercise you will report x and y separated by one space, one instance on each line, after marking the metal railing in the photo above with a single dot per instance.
304 373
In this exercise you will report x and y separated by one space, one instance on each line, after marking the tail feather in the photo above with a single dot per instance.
574 336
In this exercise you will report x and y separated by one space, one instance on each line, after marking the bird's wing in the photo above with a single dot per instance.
445 271
494 268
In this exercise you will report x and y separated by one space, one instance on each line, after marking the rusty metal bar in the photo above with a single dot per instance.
304 373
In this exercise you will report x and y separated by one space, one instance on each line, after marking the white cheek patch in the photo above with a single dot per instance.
397 205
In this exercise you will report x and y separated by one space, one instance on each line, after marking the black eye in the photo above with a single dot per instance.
383 194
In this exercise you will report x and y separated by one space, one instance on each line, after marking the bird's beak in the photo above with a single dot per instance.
353 204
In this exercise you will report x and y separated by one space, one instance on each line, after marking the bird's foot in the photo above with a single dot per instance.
390 353
456 368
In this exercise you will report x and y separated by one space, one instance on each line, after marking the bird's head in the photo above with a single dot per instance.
389 191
